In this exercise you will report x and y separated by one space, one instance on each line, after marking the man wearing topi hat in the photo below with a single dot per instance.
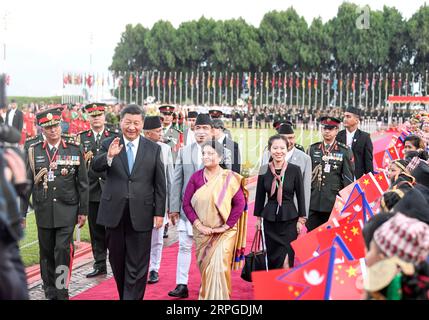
152 129
90 141
59 177
357 140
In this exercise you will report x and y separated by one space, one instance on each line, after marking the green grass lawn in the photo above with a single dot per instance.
29 246
252 143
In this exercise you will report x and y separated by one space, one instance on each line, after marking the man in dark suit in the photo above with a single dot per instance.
132 202
232 157
14 116
359 141
91 141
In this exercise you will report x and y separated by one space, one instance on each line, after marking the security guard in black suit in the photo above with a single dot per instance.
57 170
332 171
90 141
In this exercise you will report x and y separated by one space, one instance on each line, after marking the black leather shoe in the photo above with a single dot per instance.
153 277
181 291
97 272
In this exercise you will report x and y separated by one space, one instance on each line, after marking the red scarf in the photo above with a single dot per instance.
277 181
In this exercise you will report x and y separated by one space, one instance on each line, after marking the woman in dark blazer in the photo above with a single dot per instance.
282 221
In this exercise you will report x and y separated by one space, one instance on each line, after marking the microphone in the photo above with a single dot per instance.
9 134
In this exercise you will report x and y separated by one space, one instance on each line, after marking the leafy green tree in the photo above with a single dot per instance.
160 44
418 33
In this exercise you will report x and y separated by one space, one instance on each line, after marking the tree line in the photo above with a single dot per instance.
355 40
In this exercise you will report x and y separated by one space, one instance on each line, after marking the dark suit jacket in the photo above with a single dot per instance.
235 160
96 179
18 119
292 184
362 151
144 189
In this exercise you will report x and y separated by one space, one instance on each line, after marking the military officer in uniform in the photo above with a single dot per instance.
332 170
172 136
56 168
90 141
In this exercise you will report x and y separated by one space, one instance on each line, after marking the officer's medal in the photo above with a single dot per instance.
51 175
64 171
53 166
327 168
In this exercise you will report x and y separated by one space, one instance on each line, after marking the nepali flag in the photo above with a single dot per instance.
358 208
314 276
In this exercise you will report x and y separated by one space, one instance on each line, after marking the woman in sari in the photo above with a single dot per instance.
214 202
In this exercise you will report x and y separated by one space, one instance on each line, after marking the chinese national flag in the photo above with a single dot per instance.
370 186
347 281
382 180
350 232
314 274
267 287
399 144
379 159
393 153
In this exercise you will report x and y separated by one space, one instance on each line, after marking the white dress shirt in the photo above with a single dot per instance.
289 154
350 136
200 156
10 119
190 138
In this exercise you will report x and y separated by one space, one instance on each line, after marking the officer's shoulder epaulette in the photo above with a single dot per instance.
340 144
31 138
83 132
72 142
116 131
177 130
316 144
298 146
35 144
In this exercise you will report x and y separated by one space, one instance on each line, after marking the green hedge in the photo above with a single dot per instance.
27 100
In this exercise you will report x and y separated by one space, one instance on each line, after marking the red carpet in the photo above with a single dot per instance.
241 290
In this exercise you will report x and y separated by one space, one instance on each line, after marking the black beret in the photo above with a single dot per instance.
192 114
354 110
204 119
152 122
285 128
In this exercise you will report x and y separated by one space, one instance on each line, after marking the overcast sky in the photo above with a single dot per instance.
45 38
